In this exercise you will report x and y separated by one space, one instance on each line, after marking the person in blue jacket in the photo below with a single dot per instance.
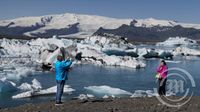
61 67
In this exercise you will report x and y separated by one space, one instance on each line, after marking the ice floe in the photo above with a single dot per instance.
48 91
107 90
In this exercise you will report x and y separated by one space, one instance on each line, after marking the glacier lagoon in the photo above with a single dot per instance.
104 70
122 81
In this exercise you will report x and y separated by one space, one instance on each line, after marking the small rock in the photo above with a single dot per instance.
84 101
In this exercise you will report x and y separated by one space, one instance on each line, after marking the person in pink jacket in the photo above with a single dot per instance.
162 70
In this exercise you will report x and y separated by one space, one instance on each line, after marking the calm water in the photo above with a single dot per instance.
90 75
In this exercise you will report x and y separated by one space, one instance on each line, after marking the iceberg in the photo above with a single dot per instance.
185 51
108 42
48 91
19 72
36 85
178 41
19 48
97 57
153 53
93 49
107 90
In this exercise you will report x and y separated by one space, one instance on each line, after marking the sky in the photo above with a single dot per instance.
178 10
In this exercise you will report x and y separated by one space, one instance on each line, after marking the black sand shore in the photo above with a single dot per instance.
108 105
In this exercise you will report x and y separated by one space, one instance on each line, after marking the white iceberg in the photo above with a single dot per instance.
107 90
36 85
100 58
185 51
51 43
178 41
19 48
108 42
51 90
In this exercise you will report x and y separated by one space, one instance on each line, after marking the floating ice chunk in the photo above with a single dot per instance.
19 72
36 85
105 97
25 86
178 41
139 93
144 93
125 61
113 96
84 97
99 58
169 61
87 52
51 90
186 51
48 91
141 52
20 48
108 42
149 93
107 90
131 62
90 96
48 58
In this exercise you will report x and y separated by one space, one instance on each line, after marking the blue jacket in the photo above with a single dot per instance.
61 69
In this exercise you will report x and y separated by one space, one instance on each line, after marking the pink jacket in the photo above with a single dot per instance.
163 70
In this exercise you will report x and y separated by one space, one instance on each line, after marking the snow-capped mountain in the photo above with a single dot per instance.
69 23
78 25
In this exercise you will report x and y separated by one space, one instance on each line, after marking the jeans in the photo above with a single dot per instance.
60 87
162 84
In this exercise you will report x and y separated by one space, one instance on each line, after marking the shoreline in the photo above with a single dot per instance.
108 105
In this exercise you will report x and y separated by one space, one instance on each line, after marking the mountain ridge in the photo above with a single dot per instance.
81 26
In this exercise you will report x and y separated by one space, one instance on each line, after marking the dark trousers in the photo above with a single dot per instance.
161 88
60 87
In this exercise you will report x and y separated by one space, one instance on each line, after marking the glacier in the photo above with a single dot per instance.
87 24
